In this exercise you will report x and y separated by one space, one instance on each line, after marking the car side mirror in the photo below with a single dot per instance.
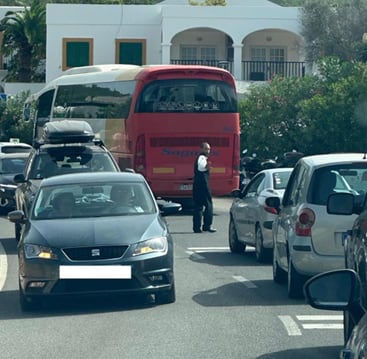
170 208
19 178
273 202
333 290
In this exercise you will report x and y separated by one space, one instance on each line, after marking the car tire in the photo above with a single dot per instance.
295 282
18 230
166 297
28 303
279 275
348 325
262 253
234 244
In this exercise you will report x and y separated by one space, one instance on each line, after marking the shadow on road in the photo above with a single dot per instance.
304 353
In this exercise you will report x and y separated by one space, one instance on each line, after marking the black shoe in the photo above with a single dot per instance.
211 230
198 231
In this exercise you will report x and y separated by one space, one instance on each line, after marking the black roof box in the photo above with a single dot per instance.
67 131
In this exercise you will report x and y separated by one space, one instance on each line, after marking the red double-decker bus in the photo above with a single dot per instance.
153 119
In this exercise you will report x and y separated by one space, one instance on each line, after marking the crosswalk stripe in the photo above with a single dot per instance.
319 317
290 325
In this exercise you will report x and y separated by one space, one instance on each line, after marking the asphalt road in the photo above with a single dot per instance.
227 307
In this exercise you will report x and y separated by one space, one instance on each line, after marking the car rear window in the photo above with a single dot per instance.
62 160
15 149
280 179
347 178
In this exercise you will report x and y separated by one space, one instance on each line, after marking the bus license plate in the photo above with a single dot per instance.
186 187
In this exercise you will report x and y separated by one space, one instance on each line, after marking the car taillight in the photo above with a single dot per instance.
140 159
270 209
305 220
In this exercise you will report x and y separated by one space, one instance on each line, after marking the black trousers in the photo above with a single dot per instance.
203 213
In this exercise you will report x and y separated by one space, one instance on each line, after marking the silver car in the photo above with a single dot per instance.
308 240
250 219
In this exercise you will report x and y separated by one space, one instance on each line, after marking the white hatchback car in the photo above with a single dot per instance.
250 219
308 240
15 147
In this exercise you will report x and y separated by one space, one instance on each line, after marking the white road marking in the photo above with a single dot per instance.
319 317
3 266
323 326
290 325
208 249
244 281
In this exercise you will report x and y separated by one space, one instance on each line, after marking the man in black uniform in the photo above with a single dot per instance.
203 204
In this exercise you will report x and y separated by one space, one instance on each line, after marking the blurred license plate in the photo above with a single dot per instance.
185 187
95 272
341 237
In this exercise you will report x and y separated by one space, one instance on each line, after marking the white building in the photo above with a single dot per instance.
254 39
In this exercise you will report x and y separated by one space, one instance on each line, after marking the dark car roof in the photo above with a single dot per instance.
92 177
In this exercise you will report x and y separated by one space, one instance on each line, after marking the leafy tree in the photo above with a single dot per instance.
334 28
24 40
318 114
11 122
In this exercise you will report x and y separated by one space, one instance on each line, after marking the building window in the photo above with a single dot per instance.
199 54
188 53
277 54
76 52
258 54
131 51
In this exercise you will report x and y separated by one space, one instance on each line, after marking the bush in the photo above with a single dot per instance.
12 124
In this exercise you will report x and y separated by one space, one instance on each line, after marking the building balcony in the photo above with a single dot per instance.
254 70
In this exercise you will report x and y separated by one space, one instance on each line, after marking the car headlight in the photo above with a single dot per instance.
151 245
37 251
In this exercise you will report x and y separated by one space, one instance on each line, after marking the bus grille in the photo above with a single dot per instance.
189 141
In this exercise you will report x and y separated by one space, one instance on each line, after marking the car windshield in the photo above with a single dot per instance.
93 200
351 178
12 165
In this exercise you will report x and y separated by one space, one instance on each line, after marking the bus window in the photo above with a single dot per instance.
187 95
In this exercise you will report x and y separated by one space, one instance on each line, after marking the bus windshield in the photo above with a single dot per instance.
97 100
187 95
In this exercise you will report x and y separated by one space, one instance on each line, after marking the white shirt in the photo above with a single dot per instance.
202 162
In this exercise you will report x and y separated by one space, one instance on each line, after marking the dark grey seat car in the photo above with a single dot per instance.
82 237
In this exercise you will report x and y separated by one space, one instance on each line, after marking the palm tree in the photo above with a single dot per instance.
24 40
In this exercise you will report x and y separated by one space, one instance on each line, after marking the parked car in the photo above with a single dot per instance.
10 164
342 290
308 240
355 247
250 219
95 233
15 147
67 147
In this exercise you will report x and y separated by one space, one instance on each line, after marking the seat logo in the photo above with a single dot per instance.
95 252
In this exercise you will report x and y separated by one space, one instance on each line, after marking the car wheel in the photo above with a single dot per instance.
166 297
295 282
348 325
234 244
262 253
18 230
279 275
28 303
